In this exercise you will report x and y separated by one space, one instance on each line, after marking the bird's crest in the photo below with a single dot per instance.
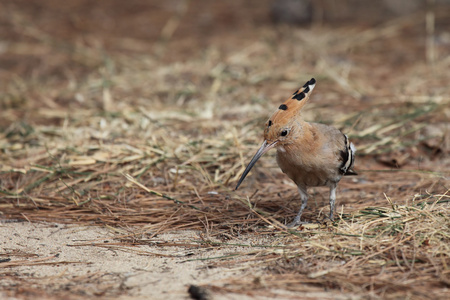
295 103
290 108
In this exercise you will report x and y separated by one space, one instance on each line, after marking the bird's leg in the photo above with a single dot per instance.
304 196
333 187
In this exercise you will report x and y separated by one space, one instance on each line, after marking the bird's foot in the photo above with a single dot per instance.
331 218
295 223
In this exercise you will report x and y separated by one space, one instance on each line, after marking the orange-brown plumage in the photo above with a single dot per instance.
310 154
286 114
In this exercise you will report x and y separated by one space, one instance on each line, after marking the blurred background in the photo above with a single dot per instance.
62 46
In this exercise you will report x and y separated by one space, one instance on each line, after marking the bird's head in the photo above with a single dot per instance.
282 128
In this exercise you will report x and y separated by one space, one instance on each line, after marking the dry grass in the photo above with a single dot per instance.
150 135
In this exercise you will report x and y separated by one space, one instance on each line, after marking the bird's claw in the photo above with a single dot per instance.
295 223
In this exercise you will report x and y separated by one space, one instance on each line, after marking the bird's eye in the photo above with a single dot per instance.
284 133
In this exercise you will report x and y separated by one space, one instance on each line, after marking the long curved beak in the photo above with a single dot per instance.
263 149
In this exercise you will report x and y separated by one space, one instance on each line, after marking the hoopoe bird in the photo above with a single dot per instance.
311 154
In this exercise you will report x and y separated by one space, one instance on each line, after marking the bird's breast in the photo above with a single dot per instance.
306 168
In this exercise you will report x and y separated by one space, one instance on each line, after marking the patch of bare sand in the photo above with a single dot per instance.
54 267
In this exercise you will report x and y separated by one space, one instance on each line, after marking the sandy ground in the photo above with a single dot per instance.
59 261
141 272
